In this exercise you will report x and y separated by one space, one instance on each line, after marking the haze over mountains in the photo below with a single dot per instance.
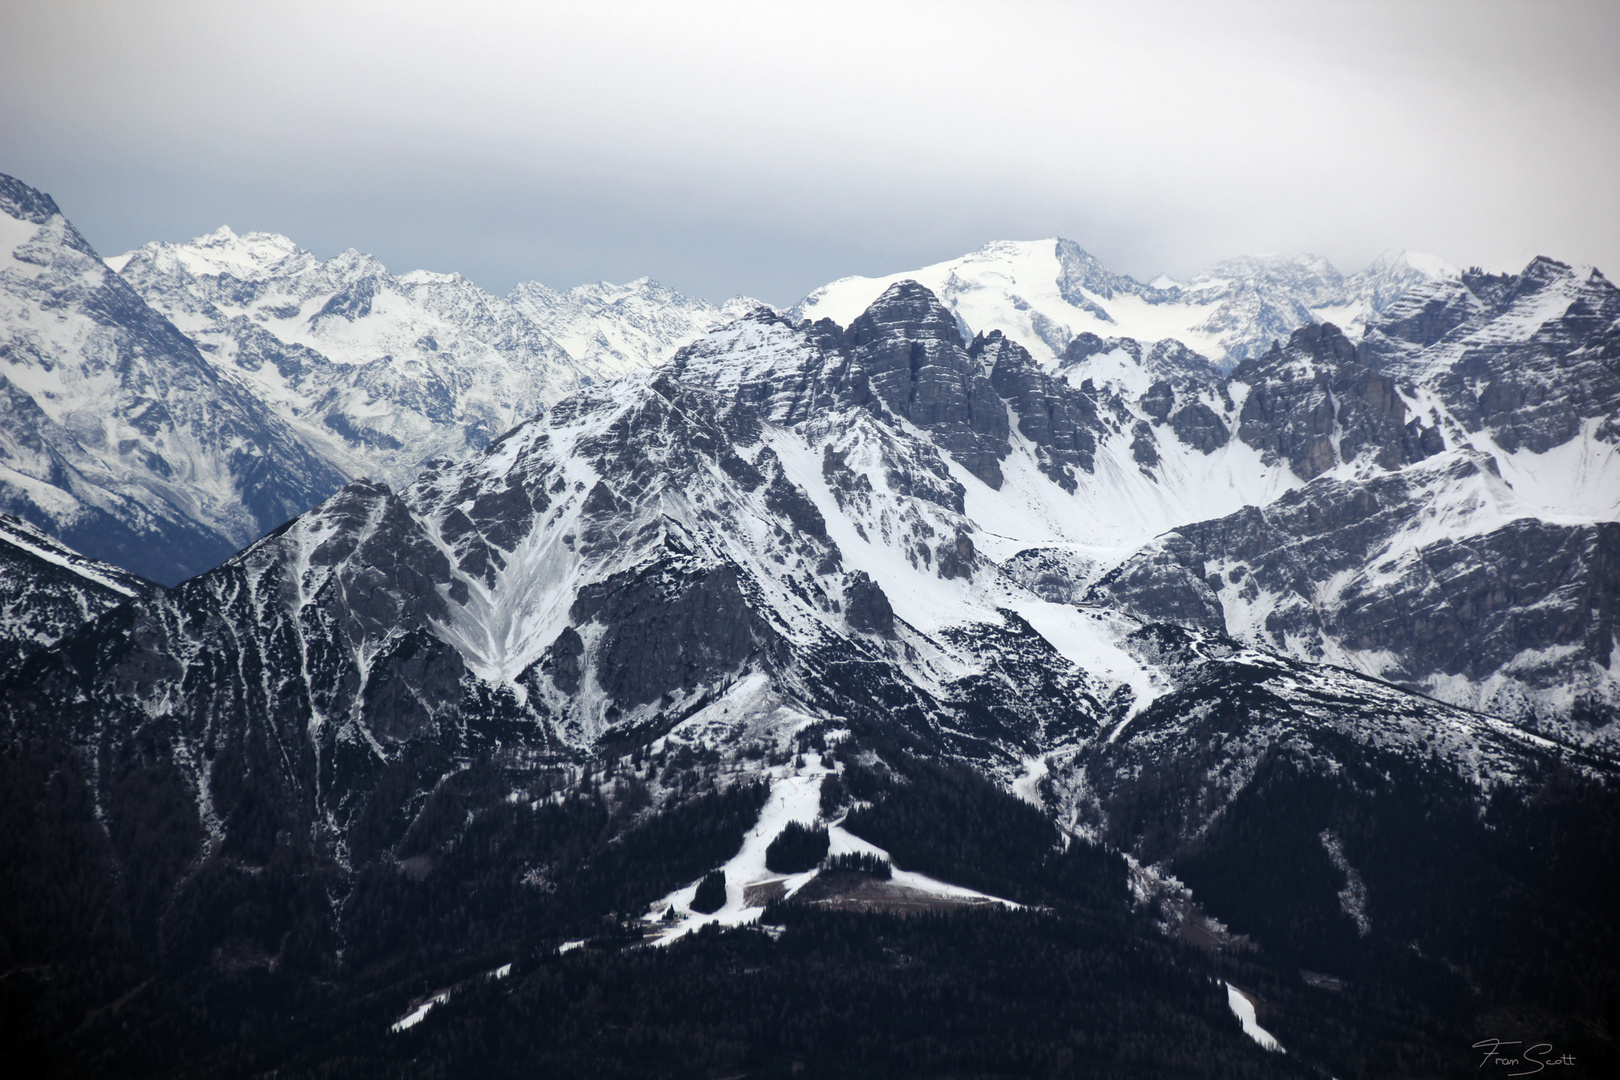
1032 581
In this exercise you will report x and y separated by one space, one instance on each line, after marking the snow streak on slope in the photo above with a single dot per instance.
1242 1007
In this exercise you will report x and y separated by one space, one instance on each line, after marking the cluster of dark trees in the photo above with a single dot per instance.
1501 921
950 822
711 893
796 848
861 862
983 994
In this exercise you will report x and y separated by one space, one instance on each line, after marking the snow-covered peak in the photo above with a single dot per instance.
387 371
119 436
1309 278
618 328
256 256
1009 286
430 277
1045 294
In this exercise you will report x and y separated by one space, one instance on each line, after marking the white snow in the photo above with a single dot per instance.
1016 287
1353 897
14 233
1028 784
1577 481
1242 1006
1012 286
795 795
424 364
418 1014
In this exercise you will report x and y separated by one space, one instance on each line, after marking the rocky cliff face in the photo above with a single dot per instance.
1427 577
1320 404
1528 358
816 519
1454 536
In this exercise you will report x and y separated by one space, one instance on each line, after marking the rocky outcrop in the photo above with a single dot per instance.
1528 357
907 347
866 608
1506 614
1317 403
1059 419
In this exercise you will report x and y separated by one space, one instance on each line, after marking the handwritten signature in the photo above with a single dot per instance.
1532 1059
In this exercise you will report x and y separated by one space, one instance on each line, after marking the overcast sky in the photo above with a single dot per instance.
766 148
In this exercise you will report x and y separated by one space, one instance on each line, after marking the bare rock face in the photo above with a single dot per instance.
866 607
910 350
1527 357
1058 418
1200 427
1518 618
669 627
1317 388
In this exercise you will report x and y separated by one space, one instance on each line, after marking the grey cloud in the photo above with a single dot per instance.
765 149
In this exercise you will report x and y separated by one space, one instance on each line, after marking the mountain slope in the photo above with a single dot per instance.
385 372
119 437
1457 529
541 693
47 591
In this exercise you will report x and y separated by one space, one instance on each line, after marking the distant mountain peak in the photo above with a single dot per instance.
1046 293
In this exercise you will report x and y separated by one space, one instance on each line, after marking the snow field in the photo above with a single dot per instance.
1242 1006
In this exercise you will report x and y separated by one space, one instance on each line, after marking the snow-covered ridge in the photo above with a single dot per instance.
25 537
386 371
119 438
1045 293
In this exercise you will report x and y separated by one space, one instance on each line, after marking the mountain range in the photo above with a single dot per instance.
1046 293
1284 665
165 450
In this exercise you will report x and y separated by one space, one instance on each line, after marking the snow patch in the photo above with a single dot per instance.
1242 1006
